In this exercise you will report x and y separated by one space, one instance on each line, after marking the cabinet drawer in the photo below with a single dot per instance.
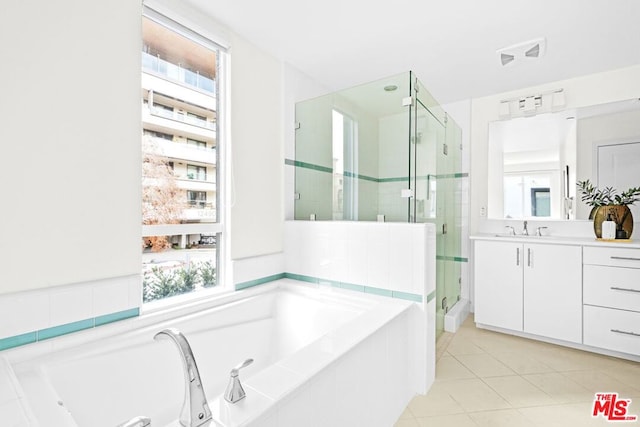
611 329
612 287
615 257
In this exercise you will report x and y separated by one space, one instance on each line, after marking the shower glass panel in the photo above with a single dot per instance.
383 151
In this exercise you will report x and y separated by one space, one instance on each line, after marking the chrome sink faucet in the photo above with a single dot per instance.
525 231
510 230
539 230
195 410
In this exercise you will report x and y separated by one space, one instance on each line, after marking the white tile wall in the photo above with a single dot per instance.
23 312
247 269
44 308
391 256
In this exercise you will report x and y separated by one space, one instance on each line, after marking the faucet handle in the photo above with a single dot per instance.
234 391
234 371
539 230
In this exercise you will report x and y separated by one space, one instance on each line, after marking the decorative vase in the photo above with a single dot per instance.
620 214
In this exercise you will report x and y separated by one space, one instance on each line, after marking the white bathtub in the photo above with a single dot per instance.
323 356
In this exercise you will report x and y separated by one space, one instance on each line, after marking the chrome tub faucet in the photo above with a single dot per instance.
195 410
234 391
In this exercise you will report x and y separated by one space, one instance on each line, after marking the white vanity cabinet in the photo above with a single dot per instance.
498 284
611 296
529 287
552 291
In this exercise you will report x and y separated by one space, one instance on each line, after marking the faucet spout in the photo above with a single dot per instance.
195 410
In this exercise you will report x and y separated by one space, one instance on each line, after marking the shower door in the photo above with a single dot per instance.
434 160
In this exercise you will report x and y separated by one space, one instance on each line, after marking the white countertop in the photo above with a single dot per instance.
558 240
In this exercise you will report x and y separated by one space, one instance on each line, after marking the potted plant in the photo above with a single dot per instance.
609 203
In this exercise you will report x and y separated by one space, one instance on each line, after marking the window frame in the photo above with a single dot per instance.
182 26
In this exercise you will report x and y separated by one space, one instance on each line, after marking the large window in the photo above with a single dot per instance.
181 222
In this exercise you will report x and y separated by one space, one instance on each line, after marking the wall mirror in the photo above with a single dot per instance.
534 162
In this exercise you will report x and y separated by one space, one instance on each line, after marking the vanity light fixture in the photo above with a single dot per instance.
528 105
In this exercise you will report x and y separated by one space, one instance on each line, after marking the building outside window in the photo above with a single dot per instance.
197 172
180 195
197 144
197 198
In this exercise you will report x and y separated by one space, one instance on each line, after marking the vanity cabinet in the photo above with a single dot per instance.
498 284
529 287
611 297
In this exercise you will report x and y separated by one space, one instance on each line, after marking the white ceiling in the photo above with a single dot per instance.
450 44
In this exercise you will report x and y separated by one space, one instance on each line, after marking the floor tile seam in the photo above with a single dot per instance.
574 383
529 382
463 406
408 409
534 422
431 417
525 417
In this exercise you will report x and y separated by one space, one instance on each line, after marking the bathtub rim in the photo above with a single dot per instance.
40 349
375 316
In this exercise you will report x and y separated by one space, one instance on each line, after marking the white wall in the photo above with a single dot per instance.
257 211
70 133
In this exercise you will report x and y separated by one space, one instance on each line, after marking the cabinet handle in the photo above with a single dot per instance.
615 288
528 257
618 331
625 258
518 256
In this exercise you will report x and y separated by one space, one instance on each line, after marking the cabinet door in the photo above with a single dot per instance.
553 291
498 284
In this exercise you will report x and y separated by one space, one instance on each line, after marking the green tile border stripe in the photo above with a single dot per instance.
342 285
67 328
115 317
431 296
393 179
261 281
18 340
360 176
306 165
319 168
406 296
453 175
451 258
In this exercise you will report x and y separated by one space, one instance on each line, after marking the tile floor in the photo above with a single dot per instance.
485 378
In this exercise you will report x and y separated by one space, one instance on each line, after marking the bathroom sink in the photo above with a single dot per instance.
520 236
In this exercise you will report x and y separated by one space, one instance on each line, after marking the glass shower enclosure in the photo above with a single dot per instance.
384 151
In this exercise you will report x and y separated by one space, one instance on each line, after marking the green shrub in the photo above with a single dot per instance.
188 278
160 284
207 274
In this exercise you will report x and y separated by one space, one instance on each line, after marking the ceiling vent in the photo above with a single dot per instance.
520 52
